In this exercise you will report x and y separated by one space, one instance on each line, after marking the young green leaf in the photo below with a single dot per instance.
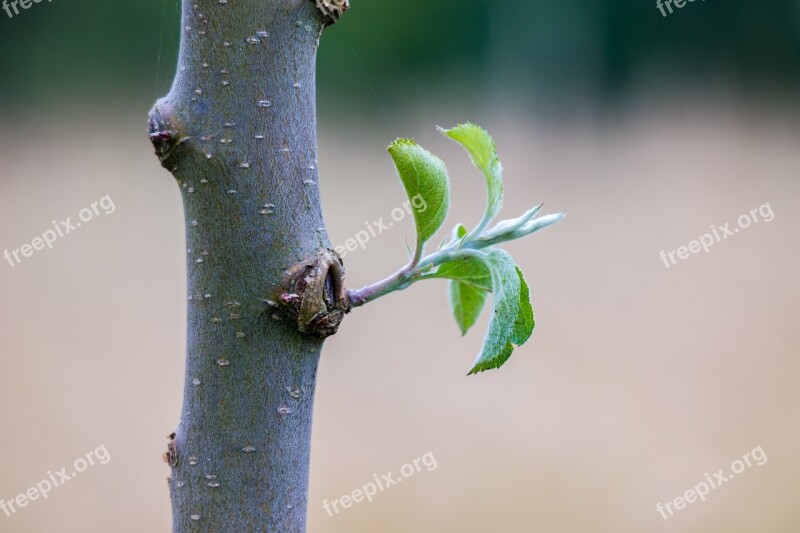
470 283
523 326
458 234
482 151
469 270
506 290
467 301
510 230
425 176
525 322
506 227
538 224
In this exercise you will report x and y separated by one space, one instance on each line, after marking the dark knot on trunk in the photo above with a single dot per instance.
333 9
313 294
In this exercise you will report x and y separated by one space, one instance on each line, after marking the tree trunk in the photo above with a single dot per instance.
238 131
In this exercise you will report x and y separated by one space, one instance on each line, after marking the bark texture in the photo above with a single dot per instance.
238 131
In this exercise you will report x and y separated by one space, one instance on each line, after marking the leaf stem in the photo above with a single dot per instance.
397 281
408 275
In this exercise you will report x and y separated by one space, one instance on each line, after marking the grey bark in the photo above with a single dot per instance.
238 131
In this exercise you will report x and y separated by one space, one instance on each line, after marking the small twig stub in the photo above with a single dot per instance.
333 9
313 294
171 455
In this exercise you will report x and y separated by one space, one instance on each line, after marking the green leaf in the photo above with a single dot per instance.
538 224
469 270
458 234
525 322
507 227
506 287
470 283
510 230
472 277
424 176
483 152
467 301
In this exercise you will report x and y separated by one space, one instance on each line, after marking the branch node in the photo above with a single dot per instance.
333 9
171 455
163 133
313 294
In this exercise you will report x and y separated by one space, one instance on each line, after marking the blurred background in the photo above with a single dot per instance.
640 379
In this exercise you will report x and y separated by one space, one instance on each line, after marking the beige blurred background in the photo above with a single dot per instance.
639 379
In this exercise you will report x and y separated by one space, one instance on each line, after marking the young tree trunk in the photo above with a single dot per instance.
238 131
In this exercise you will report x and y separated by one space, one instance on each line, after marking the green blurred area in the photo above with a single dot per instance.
66 52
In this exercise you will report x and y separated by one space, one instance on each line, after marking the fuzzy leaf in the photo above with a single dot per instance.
467 301
525 322
424 175
538 224
497 345
470 270
506 227
511 230
483 152
470 283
